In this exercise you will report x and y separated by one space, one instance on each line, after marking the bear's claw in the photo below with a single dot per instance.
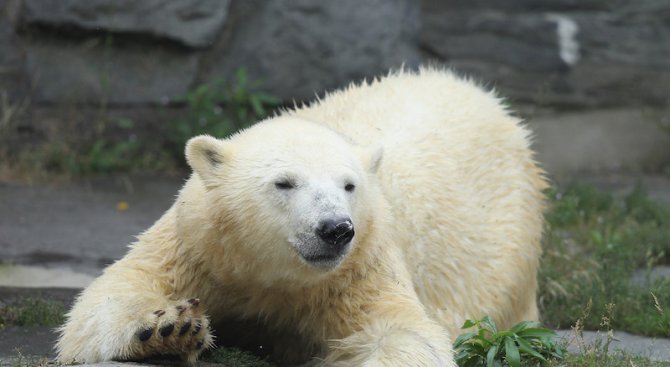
192 331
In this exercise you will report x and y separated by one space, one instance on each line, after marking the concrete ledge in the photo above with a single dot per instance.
601 141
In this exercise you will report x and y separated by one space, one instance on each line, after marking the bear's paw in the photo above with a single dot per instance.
179 329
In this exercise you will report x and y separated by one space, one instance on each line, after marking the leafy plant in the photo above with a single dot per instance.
493 348
220 109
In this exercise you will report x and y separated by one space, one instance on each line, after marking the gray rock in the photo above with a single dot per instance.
523 5
301 47
194 23
656 349
13 77
97 71
574 55
645 278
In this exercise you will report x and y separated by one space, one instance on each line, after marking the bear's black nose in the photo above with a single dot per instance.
336 232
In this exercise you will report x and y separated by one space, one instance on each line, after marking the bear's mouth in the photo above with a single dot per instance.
321 258
324 261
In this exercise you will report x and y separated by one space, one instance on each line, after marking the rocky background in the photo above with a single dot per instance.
592 76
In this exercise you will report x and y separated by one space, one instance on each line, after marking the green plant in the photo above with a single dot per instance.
219 109
493 348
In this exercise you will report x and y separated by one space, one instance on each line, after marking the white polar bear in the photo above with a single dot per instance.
370 224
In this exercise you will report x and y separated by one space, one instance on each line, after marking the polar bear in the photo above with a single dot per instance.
368 225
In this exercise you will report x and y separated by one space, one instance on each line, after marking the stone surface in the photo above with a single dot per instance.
563 53
600 141
31 342
656 349
78 225
646 278
13 77
98 71
302 47
194 23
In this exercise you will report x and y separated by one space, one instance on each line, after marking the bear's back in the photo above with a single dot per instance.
460 177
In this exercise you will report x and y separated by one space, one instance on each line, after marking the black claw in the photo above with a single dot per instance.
197 327
167 330
198 346
185 327
159 313
145 334
194 302
180 309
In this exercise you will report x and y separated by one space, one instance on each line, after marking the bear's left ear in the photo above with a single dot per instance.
372 158
206 155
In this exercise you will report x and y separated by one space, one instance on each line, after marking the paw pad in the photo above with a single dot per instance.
145 334
166 330
185 327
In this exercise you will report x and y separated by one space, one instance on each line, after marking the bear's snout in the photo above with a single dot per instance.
336 232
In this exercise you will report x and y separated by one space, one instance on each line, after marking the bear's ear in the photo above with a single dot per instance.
372 158
206 155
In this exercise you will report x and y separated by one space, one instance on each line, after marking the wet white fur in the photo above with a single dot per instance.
447 210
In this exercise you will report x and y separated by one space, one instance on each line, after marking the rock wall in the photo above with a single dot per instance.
136 55
565 53
143 52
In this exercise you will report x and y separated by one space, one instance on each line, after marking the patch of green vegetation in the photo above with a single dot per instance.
236 358
32 312
594 244
594 359
220 108
490 347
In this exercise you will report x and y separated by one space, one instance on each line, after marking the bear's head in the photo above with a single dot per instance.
287 193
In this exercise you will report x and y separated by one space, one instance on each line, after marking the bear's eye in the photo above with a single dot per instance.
349 187
284 185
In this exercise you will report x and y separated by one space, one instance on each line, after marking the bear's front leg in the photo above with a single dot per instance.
384 343
391 328
125 315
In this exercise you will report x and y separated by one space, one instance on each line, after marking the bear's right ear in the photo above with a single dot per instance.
206 155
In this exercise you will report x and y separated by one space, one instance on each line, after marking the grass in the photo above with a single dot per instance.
594 244
32 312
235 358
